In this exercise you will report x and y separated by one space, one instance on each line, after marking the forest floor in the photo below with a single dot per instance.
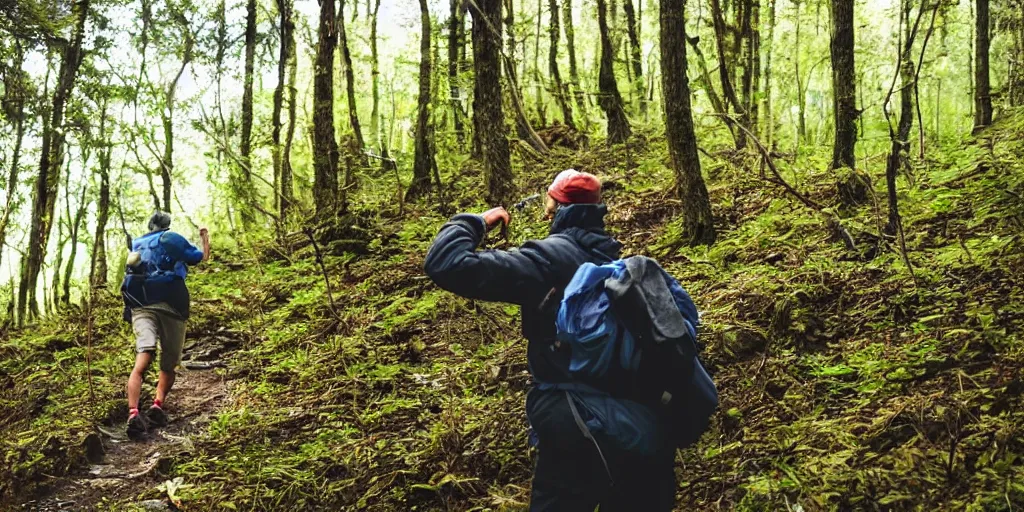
848 380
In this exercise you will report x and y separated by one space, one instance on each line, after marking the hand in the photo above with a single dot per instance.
204 233
204 236
496 216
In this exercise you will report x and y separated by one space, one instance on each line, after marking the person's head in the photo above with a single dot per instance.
159 220
572 187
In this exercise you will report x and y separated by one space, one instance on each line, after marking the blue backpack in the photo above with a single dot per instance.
632 330
144 282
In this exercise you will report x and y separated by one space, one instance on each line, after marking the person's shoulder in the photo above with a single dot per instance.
170 237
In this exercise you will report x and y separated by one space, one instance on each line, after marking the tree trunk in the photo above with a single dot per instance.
250 60
456 23
487 105
98 261
325 146
423 159
982 88
11 204
801 127
50 162
350 85
698 225
636 60
728 91
538 88
611 101
570 44
287 194
282 80
561 91
65 297
769 115
374 80
844 94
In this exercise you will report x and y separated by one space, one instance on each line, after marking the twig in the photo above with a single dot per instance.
320 261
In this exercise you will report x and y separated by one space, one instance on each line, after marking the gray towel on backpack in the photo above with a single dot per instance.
642 293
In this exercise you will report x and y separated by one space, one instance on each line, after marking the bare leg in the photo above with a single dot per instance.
142 361
163 386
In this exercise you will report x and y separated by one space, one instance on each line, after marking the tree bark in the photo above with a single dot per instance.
423 159
561 91
698 225
374 80
537 85
98 261
456 24
570 45
350 86
611 101
769 115
50 162
488 114
728 91
282 80
250 65
325 146
288 35
76 224
844 80
15 110
636 60
982 87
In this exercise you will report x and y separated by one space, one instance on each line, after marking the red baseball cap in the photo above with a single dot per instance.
572 187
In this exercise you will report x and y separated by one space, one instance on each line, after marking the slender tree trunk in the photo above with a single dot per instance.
50 162
698 226
728 91
325 146
288 35
852 186
374 80
636 60
982 88
900 143
560 89
282 81
488 113
98 262
844 94
250 65
769 115
570 45
611 101
12 177
65 297
455 43
350 85
424 157
801 129
538 87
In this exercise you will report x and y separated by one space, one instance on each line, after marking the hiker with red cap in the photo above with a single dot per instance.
580 465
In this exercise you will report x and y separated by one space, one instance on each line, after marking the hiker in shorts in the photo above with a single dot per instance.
156 303
634 468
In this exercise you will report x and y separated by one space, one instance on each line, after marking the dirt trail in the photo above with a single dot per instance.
129 468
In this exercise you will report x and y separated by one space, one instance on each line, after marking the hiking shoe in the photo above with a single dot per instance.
136 427
156 416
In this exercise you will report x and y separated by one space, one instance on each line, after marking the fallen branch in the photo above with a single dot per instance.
766 157
320 261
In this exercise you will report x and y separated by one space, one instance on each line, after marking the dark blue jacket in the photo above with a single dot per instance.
531 276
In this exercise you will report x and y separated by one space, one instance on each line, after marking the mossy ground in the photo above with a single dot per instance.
846 382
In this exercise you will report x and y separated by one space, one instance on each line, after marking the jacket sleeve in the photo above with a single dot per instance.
454 264
180 249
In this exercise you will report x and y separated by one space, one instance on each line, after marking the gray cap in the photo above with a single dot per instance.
159 220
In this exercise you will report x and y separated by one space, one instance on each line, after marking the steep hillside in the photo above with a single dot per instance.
848 381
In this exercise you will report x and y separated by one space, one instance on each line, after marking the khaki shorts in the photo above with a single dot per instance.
159 324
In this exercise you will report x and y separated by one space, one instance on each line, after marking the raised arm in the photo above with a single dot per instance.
454 264
180 249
